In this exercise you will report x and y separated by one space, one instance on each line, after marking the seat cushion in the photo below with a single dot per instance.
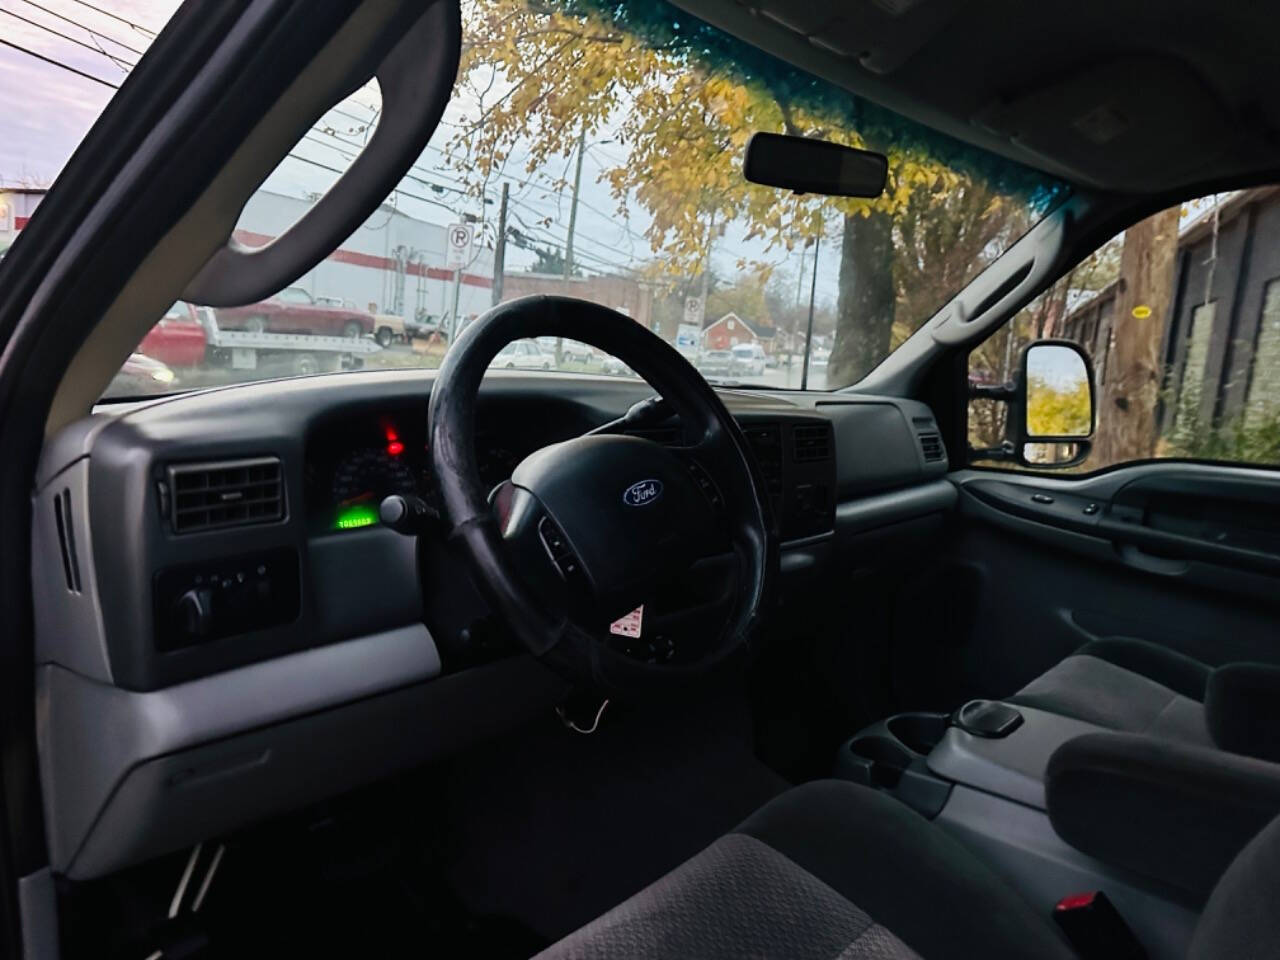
1126 685
828 870
738 898
1240 920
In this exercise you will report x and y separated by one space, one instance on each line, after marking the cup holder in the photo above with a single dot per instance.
890 756
882 759
919 732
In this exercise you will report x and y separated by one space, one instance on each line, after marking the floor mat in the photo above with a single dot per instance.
353 878
552 828
494 854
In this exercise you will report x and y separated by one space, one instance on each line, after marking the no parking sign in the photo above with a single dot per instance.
460 239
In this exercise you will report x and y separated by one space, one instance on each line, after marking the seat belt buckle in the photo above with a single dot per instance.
1094 927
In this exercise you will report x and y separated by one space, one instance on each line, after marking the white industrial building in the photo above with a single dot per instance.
393 264
16 206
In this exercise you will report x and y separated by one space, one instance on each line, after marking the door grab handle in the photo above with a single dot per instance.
1149 562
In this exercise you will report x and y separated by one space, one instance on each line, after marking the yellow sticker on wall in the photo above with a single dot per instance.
1141 312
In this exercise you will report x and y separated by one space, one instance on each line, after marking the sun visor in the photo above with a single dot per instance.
1140 124
880 34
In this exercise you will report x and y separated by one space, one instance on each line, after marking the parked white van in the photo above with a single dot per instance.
749 358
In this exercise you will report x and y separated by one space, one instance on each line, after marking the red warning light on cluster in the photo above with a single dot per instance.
394 446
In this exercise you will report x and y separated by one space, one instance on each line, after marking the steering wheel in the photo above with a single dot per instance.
588 529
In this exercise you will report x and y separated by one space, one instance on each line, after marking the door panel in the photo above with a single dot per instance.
1182 555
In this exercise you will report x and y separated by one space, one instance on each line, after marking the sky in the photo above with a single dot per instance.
47 109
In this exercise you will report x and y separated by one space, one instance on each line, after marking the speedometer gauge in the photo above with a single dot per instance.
360 482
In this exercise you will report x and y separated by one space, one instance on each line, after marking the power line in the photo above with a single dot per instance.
120 62
115 16
399 190
85 27
59 63
624 228
547 235
462 190
577 233
426 183
115 86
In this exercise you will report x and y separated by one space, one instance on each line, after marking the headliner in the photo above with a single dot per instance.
1114 95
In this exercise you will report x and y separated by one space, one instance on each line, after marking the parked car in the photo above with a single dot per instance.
293 310
571 351
178 338
335 302
615 367
143 376
523 355
715 363
749 359
390 327
427 325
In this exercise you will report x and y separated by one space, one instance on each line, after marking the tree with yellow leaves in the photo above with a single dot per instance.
548 75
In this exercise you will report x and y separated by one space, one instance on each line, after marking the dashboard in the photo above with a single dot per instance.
225 631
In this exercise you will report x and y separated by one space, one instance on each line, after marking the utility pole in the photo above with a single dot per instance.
800 275
453 314
573 223
500 247
573 204
706 268
813 292
707 260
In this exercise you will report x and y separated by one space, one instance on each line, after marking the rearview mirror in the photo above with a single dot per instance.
806 165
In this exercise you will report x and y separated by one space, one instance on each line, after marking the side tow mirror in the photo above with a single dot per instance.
1054 412
1052 407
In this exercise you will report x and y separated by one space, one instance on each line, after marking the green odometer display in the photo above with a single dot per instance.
362 480
355 515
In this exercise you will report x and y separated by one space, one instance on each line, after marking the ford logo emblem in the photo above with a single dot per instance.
643 493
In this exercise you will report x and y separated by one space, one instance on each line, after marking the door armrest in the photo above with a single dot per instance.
1174 813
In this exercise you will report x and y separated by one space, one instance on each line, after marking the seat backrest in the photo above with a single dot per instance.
1242 918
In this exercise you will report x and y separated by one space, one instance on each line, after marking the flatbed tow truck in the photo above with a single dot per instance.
175 343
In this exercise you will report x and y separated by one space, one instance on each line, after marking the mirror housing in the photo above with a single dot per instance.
1052 408
808 165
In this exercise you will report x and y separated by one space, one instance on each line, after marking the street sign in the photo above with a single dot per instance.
687 337
460 238
693 311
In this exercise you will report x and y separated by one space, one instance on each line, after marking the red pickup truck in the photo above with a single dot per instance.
293 310
177 339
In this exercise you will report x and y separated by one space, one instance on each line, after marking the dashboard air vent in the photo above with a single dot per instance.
232 493
931 447
812 442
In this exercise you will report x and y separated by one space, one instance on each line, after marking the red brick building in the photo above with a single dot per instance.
731 330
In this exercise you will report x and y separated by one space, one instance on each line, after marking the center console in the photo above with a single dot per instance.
979 773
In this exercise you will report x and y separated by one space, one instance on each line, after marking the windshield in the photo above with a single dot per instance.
593 149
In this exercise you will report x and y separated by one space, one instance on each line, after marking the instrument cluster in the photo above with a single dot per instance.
352 465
